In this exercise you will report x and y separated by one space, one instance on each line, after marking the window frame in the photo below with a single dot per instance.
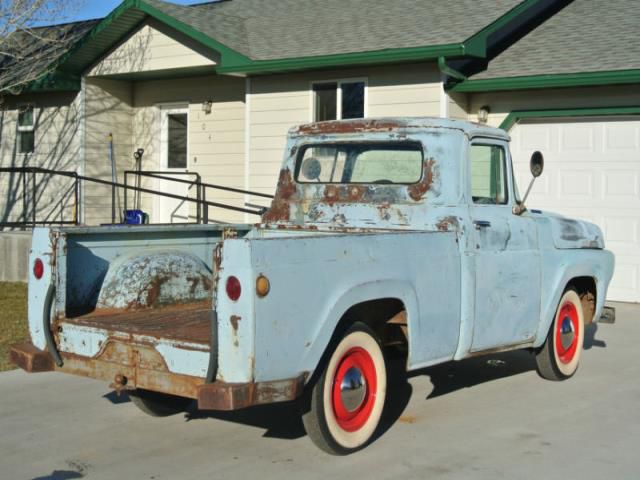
339 82
488 142
20 129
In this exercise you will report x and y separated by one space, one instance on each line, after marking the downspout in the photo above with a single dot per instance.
446 72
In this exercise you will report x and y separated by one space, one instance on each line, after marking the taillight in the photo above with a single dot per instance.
233 288
38 268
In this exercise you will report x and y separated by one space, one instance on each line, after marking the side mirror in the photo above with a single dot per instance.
536 164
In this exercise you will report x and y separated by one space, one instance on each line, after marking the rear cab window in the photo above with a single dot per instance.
368 163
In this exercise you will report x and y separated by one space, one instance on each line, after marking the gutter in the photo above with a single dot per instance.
514 117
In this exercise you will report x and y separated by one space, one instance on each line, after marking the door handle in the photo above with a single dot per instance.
481 224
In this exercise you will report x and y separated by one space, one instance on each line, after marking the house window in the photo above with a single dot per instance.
338 100
488 175
26 129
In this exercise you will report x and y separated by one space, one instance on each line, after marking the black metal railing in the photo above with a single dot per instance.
29 216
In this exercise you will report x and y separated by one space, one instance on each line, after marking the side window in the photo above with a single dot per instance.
488 175
338 100
26 129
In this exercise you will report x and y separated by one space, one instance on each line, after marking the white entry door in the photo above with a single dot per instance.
592 172
174 159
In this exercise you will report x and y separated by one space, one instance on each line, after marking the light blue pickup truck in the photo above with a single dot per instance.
397 233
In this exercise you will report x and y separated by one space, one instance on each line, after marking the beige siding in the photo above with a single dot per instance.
216 140
57 147
108 111
150 49
458 106
502 103
281 101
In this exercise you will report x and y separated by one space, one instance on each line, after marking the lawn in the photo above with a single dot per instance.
13 319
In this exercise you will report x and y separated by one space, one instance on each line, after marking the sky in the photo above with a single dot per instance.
89 9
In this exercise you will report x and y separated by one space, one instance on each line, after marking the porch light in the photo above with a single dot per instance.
207 106
483 114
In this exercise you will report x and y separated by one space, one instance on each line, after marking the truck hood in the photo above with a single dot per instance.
568 233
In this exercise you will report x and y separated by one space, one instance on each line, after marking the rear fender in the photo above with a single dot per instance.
396 289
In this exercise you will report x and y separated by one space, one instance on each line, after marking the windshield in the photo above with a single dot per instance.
387 163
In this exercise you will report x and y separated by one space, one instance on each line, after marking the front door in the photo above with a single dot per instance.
174 160
507 291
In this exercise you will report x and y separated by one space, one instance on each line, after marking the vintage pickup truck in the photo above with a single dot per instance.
398 233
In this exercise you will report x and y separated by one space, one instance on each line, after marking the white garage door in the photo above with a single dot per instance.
592 172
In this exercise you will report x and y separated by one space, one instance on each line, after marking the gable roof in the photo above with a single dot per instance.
587 43
262 36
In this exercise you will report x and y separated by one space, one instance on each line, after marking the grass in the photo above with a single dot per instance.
13 319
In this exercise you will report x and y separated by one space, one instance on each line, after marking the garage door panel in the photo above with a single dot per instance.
592 172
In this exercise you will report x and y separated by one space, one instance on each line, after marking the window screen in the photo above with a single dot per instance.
177 148
488 175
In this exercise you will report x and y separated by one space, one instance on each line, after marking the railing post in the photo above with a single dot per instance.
25 201
199 197
113 203
76 214
126 189
33 186
205 206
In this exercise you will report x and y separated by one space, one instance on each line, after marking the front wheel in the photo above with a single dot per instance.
346 402
559 357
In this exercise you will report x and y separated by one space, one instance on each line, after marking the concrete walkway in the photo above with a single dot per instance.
488 418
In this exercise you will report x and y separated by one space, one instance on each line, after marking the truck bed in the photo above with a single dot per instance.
183 324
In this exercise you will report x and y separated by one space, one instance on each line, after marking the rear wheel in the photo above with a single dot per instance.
158 404
559 357
346 402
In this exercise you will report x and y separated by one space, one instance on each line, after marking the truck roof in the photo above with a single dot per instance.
387 124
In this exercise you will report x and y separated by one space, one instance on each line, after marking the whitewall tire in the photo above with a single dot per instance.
347 400
559 357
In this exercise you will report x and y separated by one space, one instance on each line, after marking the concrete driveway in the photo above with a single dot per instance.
490 417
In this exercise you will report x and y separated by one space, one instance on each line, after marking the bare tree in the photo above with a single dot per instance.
33 39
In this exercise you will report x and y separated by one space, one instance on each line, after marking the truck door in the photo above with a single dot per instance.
507 258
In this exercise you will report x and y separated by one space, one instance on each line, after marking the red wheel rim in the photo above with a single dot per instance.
355 419
567 318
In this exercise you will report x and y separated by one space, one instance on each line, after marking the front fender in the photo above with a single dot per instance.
383 289
597 264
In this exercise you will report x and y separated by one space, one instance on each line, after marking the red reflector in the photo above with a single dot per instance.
233 288
38 268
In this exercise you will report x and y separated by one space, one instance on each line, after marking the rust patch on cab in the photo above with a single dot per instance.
280 209
447 223
418 190
354 126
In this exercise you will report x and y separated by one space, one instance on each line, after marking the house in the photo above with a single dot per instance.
213 88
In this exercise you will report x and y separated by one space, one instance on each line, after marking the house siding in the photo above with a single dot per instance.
57 147
150 49
108 111
281 101
216 140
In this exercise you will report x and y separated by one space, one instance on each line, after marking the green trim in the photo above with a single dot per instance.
449 71
617 77
517 115
391 55
476 45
